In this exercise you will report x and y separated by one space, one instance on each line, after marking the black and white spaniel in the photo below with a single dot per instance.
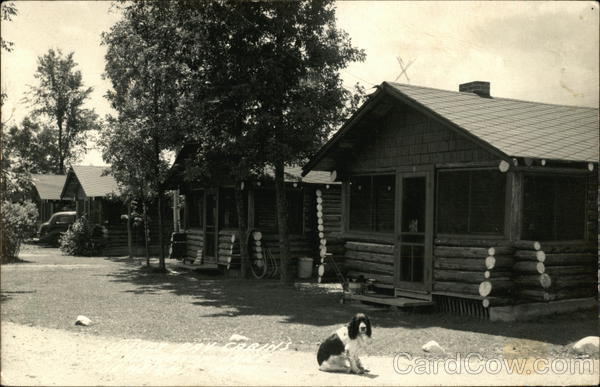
339 352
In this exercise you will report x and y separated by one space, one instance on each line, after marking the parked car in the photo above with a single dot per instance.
58 223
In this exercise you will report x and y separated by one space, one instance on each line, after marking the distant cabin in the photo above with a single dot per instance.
46 194
468 200
95 192
210 222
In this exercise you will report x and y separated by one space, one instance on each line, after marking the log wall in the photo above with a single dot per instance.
229 249
550 271
328 222
370 261
474 269
194 244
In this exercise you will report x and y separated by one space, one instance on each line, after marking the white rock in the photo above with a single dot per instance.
82 320
588 345
236 337
433 347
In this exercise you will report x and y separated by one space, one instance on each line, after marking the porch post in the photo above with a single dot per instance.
513 213
250 207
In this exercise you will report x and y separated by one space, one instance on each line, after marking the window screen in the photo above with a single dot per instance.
471 202
553 208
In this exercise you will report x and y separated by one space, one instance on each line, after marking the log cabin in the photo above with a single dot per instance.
210 222
471 202
46 190
95 193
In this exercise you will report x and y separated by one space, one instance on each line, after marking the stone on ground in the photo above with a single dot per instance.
236 337
433 347
588 345
82 320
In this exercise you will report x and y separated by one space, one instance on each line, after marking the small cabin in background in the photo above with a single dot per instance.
46 194
210 220
476 203
93 189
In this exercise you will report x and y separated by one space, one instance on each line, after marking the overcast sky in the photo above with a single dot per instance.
539 51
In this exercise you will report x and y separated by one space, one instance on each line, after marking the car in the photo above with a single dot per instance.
58 223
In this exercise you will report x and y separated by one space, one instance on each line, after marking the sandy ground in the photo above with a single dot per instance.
43 356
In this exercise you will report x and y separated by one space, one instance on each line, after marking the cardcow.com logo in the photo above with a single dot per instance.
475 364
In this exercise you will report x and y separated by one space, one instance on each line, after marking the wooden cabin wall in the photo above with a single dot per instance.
370 260
476 269
407 137
194 242
328 220
549 271
592 205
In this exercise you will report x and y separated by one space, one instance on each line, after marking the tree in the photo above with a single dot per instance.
145 79
8 10
272 76
60 97
26 148
130 156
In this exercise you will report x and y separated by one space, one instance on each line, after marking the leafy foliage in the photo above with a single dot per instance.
8 10
145 94
59 97
83 238
18 221
264 87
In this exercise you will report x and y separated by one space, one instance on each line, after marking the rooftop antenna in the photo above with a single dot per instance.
404 68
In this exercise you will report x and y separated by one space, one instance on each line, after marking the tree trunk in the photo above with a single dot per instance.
129 238
146 233
284 239
242 229
161 256
61 159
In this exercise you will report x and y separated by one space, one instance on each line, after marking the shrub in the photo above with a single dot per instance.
83 238
18 221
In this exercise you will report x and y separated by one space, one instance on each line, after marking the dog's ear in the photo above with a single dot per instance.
353 328
368 322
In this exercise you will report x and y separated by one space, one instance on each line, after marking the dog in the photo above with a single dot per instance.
339 352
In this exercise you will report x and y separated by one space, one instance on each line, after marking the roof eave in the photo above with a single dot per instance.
364 108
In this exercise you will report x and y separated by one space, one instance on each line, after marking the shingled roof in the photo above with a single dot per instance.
516 128
509 127
94 180
48 186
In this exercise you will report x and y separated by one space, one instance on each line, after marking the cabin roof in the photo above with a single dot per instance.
510 127
292 174
95 181
49 187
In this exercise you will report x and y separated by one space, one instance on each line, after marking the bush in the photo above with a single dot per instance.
18 221
83 238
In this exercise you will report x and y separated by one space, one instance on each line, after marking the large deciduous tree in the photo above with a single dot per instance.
145 79
59 97
273 74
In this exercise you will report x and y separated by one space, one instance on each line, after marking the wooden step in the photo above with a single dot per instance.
387 300
192 266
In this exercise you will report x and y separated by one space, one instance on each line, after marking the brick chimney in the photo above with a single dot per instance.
480 88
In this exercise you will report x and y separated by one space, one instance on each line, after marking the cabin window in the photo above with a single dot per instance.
228 217
195 206
553 207
372 203
471 202
265 210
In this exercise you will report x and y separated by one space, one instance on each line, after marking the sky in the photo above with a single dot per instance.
538 51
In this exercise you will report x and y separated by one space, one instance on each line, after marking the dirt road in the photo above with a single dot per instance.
43 356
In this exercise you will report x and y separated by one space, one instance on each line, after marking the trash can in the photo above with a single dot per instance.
305 267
